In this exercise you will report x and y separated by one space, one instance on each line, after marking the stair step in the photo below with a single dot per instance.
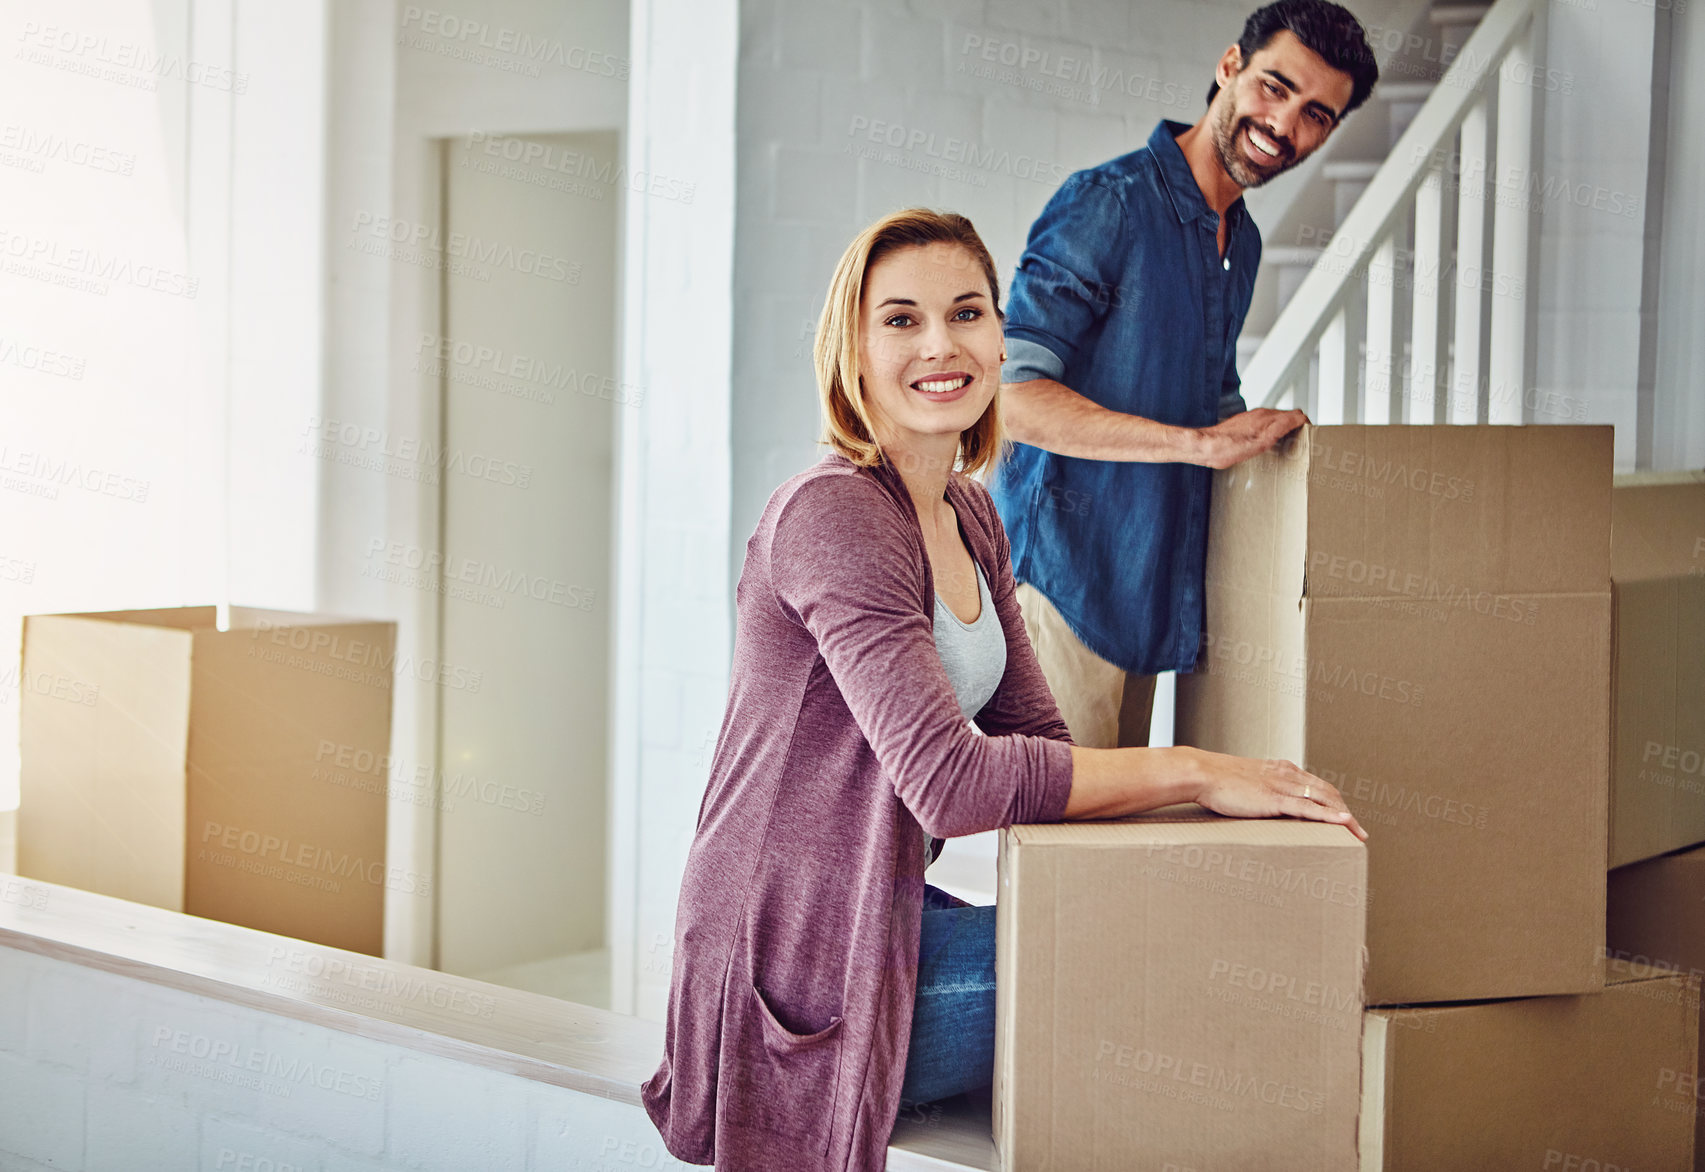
1291 254
1449 14
1352 170
1405 91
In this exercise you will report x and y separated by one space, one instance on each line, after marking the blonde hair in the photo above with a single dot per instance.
847 425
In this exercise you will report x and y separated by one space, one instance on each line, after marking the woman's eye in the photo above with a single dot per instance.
975 314
899 320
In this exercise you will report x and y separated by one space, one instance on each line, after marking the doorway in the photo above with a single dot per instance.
526 357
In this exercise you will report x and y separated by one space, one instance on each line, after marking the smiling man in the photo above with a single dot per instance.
1121 385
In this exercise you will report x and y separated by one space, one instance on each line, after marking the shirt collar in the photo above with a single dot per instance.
1175 174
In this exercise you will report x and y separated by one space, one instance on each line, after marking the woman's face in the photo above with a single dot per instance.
929 343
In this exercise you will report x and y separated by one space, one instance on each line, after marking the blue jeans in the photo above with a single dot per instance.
953 1019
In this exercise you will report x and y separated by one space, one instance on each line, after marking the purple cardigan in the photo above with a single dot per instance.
796 936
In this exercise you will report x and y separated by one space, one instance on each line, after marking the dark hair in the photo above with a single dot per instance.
1328 29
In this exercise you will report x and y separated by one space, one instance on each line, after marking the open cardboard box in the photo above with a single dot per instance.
235 774
1421 615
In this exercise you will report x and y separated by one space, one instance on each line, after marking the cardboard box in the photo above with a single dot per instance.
1597 1082
1421 615
1657 565
238 775
1655 924
1178 990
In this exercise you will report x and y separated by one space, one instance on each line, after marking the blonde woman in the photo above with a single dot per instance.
817 981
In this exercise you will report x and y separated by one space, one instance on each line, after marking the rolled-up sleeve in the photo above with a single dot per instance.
1067 277
840 564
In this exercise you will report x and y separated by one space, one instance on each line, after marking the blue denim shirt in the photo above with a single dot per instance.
1121 295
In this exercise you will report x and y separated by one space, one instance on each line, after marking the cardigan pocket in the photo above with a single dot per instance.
790 1079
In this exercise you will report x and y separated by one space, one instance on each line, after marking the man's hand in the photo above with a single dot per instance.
1235 439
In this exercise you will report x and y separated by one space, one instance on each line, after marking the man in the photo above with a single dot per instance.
1121 385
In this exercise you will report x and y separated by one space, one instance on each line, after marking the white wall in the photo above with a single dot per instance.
160 164
1591 191
403 77
1000 101
1678 415
673 635
102 1073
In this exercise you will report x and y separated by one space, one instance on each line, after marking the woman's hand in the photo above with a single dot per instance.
1245 787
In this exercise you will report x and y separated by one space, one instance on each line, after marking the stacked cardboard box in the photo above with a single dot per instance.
1656 926
238 774
1179 990
1588 1083
1423 616
1657 564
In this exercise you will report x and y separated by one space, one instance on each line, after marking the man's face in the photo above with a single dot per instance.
1277 111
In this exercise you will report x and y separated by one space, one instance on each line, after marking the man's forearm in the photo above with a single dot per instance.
1055 418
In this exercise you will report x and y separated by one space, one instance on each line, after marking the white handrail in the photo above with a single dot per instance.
1284 354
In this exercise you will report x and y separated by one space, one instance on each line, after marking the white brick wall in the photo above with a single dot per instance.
102 1073
1041 87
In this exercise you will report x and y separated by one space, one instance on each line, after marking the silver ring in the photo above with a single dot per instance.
1305 793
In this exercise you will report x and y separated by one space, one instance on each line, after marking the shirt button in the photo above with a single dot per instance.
1226 264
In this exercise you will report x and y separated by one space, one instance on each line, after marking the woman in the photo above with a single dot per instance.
846 749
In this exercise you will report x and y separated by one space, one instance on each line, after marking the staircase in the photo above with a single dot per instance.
1396 312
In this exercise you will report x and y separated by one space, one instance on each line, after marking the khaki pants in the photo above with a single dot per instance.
1104 707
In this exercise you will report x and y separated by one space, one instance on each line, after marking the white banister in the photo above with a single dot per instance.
1337 371
1426 301
1364 249
1512 223
1463 403
1381 336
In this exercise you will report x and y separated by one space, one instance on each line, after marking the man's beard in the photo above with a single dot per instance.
1227 144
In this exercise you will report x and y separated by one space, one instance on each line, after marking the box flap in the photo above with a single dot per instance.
1658 526
1186 825
1427 511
